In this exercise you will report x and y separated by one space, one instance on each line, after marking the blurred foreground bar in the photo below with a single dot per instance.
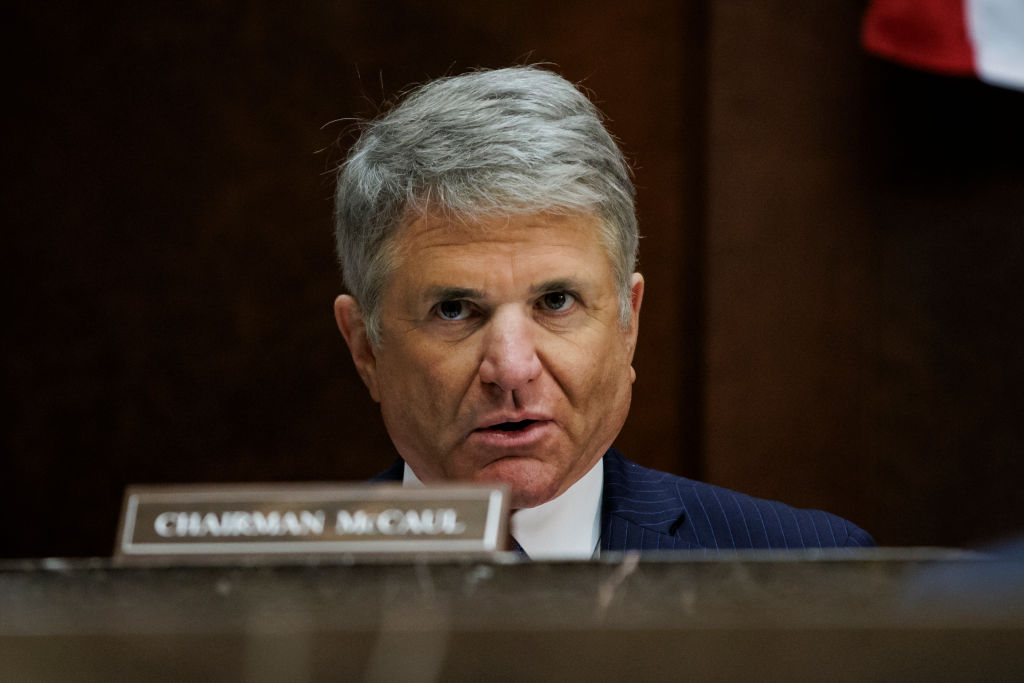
885 614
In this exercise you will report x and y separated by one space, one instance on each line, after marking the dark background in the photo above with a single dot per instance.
833 251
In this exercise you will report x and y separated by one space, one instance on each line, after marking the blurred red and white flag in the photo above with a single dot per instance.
983 38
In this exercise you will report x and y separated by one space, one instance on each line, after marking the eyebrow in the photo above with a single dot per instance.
562 284
451 293
446 293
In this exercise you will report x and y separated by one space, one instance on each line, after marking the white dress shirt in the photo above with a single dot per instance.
566 527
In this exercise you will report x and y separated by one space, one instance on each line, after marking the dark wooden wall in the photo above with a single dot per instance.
865 272
833 250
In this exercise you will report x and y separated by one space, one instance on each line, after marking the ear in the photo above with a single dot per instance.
636 297
350 322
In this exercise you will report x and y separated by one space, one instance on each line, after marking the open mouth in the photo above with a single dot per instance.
512 426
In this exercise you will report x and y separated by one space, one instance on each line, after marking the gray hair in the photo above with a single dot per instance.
485 143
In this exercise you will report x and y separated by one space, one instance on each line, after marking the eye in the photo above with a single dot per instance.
557 301
455 309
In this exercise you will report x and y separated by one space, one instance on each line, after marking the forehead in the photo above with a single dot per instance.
432 237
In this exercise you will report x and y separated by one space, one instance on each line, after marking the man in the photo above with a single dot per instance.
487 236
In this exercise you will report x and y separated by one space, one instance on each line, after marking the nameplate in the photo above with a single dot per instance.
207 520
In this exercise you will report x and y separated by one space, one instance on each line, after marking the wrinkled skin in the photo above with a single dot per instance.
510 321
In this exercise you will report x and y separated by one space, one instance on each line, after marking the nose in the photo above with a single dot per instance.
510 359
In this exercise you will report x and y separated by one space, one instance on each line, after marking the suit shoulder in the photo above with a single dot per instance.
716 517
393 473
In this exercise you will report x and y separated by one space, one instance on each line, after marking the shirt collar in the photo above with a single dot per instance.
566 527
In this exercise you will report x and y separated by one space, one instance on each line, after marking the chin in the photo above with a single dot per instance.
528 482
527 499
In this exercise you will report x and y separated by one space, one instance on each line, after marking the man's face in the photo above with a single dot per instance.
502 357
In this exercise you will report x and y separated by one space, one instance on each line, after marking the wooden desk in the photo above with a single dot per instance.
912 614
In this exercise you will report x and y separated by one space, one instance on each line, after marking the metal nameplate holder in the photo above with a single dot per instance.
263 521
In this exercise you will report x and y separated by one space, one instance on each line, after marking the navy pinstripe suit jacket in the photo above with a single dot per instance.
644 509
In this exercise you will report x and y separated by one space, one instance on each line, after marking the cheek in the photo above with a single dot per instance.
592 373
424 380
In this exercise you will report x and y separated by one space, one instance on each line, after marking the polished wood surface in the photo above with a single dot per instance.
837 616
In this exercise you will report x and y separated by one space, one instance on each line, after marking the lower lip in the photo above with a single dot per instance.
530 435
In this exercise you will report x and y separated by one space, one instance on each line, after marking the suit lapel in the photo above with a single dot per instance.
641 509
393 473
